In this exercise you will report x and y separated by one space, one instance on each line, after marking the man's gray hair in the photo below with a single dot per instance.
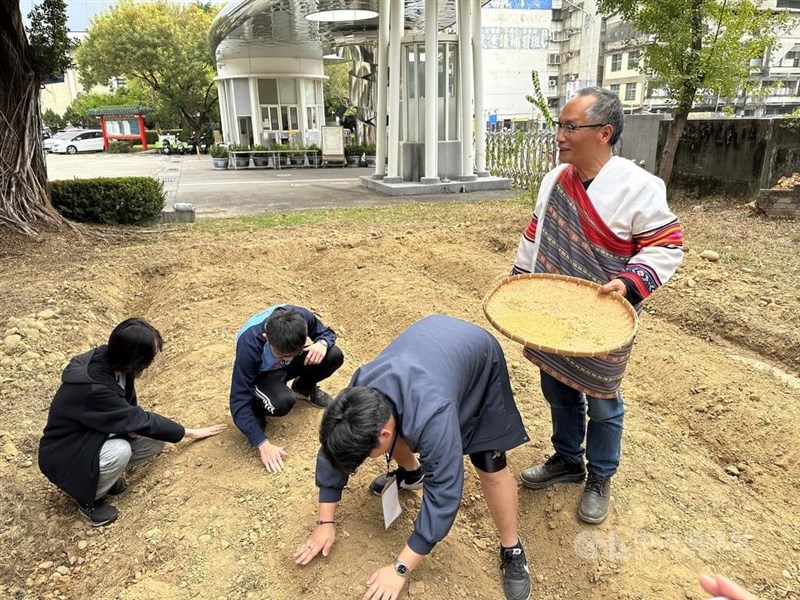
607 108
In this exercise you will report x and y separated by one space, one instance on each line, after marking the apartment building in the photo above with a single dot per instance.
574 59
777 74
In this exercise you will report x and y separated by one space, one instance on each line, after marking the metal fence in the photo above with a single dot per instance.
522 156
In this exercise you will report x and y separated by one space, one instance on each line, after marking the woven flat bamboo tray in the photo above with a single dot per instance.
562 315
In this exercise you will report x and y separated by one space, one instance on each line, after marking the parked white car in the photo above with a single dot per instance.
47 144
78 140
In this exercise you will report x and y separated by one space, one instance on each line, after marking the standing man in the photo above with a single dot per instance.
440 389
270 350
602 218
96 428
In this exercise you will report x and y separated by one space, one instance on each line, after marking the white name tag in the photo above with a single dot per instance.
390 498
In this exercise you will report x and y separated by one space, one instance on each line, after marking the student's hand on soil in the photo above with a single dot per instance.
724 589
615 285
321 539
385 584
315 353
205 432
272 457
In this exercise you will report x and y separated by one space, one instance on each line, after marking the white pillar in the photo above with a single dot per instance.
255 111
480 118
222 98
431 92
395 35
467 89
383 84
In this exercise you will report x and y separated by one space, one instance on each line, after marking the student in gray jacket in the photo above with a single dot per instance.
441 389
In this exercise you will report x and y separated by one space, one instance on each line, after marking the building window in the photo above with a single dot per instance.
312 114
615 89
630 91
552 81
633 59
616 62
268 91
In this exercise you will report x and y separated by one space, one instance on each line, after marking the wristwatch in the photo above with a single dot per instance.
400 569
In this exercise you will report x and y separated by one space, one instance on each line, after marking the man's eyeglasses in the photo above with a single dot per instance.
569 128
286 357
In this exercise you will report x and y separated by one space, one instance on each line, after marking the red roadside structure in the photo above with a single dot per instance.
121 123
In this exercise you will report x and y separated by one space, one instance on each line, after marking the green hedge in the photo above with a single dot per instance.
113 200
119 147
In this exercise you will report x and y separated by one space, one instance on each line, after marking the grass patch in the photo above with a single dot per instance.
370 216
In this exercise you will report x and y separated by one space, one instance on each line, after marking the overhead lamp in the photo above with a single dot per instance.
338 15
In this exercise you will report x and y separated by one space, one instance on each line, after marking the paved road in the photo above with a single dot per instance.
244 192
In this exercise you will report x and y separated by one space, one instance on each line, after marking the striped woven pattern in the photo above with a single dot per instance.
576 242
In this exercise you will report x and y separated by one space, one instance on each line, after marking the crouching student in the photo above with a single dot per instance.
96 429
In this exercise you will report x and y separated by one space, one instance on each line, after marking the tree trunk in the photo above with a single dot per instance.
674 135
24 198
687 94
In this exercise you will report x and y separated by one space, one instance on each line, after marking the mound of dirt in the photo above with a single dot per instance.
709 479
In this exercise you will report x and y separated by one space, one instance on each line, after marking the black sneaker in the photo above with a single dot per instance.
406 480
315 397
118 487
595 499
98 515
516 574
556 469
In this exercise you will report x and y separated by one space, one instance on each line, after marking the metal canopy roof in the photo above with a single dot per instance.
249 26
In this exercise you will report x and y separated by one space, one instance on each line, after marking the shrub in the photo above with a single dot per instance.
119 147
353 150
369 149
113 200
218 151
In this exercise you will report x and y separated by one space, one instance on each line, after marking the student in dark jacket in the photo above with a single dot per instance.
96 429
440 389
271 350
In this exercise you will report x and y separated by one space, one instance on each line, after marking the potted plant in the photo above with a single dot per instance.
314 157
296 156
241 160
369 154
260 160
353 154
219 156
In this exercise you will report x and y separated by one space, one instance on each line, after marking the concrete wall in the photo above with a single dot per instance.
734 157
638 140
719 156
783 154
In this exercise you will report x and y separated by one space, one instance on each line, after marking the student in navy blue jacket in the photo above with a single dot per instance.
96 428
270 350
440 389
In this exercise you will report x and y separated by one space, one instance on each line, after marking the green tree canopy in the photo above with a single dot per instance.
695 45
336 89
159 46
88 100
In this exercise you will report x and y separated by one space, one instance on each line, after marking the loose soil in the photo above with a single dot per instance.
709 480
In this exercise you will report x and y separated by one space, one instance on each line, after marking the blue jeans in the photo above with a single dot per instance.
603 435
